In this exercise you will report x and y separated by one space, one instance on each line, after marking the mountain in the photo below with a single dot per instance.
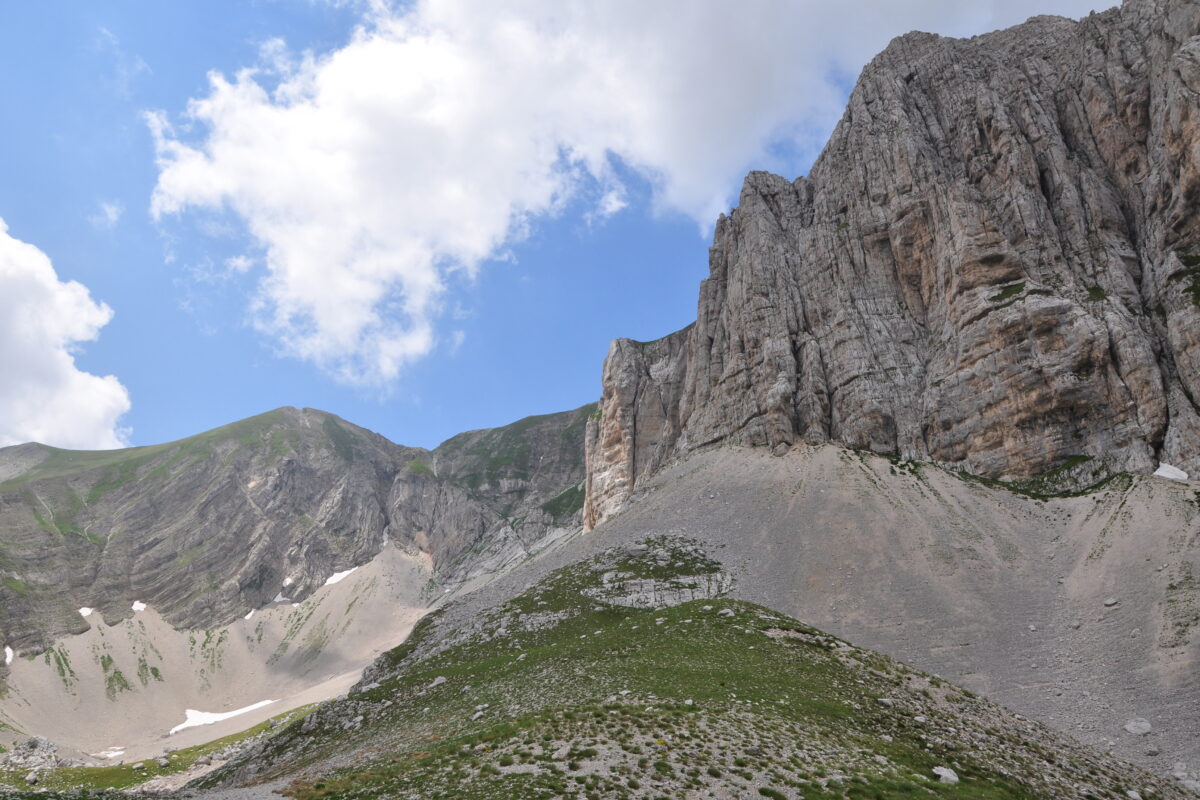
136 584
210 527
918 411
993 265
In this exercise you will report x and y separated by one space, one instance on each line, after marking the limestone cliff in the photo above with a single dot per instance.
993 265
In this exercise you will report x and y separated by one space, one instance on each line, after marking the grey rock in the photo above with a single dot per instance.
945 775
1138 726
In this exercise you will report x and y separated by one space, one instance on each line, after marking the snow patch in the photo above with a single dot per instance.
112 752
338 576
86 612
138 605
1165 470
287 582
279 598
8 656
248 616
195 717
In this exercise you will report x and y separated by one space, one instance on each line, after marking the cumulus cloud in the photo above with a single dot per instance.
445 129
44 396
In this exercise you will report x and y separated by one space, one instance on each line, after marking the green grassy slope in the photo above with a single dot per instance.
571 691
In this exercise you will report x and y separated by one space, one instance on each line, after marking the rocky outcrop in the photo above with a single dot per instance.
993 265
210 527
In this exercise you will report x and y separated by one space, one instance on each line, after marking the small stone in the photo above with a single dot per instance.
886 702
162 762
32 778
438 681
1132 795
1033 627
1110 601
522 656
945 775
139 767
725 612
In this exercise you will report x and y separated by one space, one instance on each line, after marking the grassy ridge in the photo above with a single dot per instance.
567 692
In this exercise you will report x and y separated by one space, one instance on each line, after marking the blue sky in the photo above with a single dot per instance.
425 219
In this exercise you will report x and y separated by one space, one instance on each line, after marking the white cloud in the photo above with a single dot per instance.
107 215
443 131
44 396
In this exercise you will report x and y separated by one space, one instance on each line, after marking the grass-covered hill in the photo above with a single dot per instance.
631 675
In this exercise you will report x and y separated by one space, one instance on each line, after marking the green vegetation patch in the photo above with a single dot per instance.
419 467
341 439
1078 475
1008 293
566 503
1189 273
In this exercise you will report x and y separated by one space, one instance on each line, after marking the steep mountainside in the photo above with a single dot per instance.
206 529
994 265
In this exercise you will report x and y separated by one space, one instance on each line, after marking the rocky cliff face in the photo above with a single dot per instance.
993 265
208 528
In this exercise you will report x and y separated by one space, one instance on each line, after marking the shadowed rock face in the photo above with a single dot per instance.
994 265
208 528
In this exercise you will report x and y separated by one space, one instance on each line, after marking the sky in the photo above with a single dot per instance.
425 217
